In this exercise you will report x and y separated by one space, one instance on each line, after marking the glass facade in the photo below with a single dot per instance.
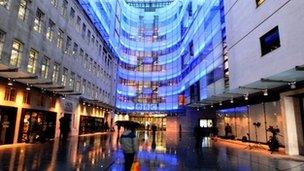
163 47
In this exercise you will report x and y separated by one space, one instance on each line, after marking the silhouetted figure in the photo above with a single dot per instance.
215 131
35 131
198 136
129 145
154 128
180 132
228 130
106 126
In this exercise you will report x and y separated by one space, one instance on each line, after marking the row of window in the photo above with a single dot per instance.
38 26
67 78
11 93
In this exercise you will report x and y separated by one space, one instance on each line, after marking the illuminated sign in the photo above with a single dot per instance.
141 106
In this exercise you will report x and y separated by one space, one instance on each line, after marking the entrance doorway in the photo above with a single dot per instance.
7 124
158 120
68 117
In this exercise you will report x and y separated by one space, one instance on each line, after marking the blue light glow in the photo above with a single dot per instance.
161 51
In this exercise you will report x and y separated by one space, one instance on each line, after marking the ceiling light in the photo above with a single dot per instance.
10 82
265 92
246 96
231 101
212 106
28 88
63 97
292 85
221 103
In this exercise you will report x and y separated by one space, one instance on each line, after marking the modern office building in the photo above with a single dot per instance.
172 63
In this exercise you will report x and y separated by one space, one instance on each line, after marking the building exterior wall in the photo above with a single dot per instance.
246 23
90 73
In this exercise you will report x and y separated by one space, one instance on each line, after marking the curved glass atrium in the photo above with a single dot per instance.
171 52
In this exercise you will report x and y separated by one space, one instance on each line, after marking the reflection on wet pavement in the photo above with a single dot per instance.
167 152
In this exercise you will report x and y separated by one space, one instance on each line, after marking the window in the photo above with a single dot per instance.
78 84
83 89
60 39
72 15
75 48
5 3
26 97
68 45
64 77
22 13
64 8
93 39
259 2
54 3
2 37
270 41
50 30
89 35
38 21
16 55
81 54
45 64
72 80
32 60
86 61
90 64
10 94
84 28
78 23
55 75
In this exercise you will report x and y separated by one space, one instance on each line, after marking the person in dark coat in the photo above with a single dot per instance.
228 130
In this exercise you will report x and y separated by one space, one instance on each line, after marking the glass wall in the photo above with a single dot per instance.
163 48
241 120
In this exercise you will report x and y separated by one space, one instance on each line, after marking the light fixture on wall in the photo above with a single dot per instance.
10 82
246 96
28 87
265 92
231 100
221 103
197 109
63 97
211 105
292 85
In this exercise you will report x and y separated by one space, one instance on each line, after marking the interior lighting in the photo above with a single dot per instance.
231 101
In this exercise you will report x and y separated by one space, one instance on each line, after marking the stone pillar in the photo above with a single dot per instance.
293 125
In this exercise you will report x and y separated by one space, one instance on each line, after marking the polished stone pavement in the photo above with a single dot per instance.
170 151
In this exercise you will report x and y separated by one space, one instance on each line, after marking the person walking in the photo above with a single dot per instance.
228 130
129 145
